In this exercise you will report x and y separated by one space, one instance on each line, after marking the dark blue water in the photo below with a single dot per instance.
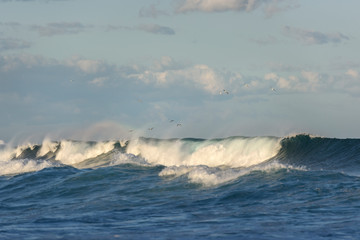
292 195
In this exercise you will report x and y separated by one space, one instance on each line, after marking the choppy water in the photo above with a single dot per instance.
299 187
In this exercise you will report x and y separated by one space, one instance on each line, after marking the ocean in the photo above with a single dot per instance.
294 187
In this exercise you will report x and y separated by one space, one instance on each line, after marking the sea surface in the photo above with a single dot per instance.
295 187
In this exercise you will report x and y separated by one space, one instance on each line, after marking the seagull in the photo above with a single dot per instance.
273 89
150 129
171 120
246 85
223 92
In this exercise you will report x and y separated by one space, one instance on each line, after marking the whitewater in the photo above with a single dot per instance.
294 187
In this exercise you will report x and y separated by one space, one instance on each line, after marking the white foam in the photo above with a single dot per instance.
23 165
46 147
125 158
231 152
75 152
21 148
6 154
210 176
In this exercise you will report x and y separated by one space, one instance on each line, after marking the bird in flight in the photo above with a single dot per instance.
224 92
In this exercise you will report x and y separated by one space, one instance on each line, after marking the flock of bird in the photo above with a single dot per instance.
224 91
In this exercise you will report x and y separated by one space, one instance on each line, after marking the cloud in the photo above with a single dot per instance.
273 7
117 27
281 82
150 28
310 37
99 81
166 72
313 79
218 5
88 66
60 28
270 7
352 73
271 76
14 62
157 29
307 81
12 43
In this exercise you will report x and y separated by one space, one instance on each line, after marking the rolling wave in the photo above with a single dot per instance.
206 161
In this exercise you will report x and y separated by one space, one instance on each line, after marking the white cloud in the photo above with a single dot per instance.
352 73
165 72
284 83
205 76
281 82
270 7
271 76
312 77
163 63
218 5
310 81
99 81
86 65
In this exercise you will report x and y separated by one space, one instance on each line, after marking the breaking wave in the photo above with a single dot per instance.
204 161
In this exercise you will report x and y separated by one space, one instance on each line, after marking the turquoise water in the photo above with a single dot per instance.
300 187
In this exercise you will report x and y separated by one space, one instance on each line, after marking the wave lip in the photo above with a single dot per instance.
320 153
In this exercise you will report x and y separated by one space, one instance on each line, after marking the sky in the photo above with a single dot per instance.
101 70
